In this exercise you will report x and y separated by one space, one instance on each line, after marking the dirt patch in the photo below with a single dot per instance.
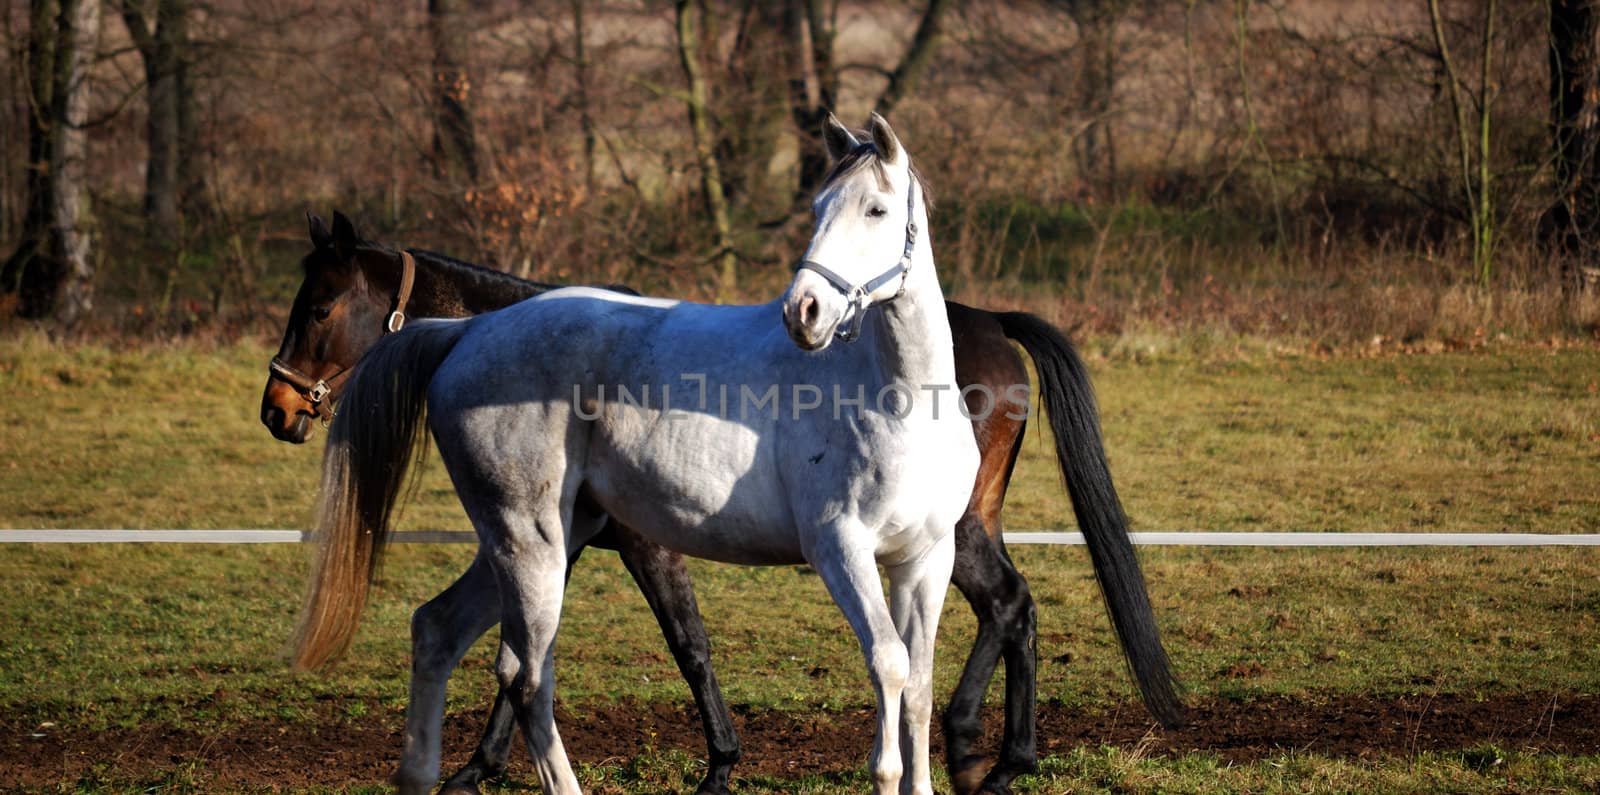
780 744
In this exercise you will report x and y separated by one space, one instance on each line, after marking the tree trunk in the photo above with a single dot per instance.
580 65
1476 172
807 46
1572 224
161 48
454 143
903 80
192 156
700 127
40 68
813 87
50 270
751 104
1096 50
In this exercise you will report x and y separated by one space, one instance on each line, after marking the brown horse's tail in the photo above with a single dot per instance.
1069 401
374 439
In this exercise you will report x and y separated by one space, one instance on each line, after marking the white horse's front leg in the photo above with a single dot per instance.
916 598
441 632
851 576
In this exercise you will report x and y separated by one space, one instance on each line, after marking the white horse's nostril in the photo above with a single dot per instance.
808 311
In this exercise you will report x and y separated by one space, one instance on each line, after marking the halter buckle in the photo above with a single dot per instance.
396 321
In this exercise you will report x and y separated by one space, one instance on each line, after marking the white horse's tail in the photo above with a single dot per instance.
375 438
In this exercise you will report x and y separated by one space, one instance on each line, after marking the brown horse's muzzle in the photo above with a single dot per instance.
286 413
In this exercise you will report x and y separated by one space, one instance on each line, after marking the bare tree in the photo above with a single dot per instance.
1474 156
1096 59
172 172
904 77
705 153
747 94
806 45
50 271
813 85
455 142
580 66
1573 222
777 84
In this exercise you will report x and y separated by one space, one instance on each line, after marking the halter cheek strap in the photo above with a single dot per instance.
408 277
860 295
316 390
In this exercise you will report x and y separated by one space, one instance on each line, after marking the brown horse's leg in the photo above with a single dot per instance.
665 583
1019 622
1000 599
960 720
489 760
1006 628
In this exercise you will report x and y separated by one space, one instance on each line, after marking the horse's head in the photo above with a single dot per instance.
866 232
337 315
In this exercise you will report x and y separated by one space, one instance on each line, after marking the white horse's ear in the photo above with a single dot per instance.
837 138
883 139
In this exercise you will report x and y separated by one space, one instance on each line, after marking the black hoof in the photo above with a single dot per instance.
999 779
463 783
714 785
967 776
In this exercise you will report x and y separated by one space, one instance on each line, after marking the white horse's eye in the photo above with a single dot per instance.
876 211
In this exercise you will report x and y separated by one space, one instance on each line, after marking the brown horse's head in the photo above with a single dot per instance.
337 315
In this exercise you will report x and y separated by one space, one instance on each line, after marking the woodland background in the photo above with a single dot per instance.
1409 173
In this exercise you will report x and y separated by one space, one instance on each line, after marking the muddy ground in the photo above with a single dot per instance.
780 744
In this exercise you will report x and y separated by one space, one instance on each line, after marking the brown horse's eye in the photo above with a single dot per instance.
321 313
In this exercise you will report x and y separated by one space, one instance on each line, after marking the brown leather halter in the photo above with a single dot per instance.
317 390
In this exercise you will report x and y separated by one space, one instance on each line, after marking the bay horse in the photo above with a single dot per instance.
351 287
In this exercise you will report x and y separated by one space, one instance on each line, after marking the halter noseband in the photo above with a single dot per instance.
316 390
859 295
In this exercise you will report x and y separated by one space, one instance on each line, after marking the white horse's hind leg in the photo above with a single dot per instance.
441 632
916 597
532 580
851 577
530 564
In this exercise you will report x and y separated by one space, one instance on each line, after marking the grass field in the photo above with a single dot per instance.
113 639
